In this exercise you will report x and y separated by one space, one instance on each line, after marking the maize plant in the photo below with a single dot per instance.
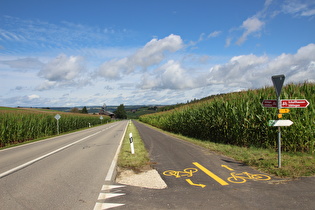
240 119
17 126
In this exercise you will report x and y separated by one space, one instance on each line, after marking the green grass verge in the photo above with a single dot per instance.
140 159
292 165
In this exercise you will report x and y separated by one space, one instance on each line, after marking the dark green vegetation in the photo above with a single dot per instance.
136 112
239 119
136 161
19 125
120 112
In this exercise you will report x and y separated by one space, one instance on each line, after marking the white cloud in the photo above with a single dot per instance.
250 25
172 76
251 71
31 97
308 12
63 71
151 54
242 71
62 68
214 34
23 63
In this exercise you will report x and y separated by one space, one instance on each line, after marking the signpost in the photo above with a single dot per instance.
286 103
280 122
57 117
294 103
278 81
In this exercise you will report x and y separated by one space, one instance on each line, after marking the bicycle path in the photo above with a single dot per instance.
197 178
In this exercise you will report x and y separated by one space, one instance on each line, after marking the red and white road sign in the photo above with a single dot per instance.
269 103
294 103
286 103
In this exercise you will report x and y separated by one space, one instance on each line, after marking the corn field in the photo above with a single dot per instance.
240 119
17 125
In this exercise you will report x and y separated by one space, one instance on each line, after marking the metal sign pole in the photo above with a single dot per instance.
57 117
278 81
279 132
57 127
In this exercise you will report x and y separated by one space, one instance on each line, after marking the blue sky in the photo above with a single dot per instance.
82 53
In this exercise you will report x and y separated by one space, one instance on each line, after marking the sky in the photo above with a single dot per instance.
146 52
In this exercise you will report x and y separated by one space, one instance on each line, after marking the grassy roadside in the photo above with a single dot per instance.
293 164
137 161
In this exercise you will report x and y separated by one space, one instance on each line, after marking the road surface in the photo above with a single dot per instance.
200 179
64 172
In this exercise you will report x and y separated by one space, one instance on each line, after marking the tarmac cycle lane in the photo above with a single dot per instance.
198 178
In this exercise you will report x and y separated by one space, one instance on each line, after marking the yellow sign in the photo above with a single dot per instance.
283 111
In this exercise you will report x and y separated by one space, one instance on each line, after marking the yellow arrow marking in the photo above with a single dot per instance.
228 168
212 175
284 111
191 183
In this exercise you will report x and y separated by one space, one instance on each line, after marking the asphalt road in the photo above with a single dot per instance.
200 179
64 172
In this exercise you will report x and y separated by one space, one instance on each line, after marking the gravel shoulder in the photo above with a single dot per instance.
146 179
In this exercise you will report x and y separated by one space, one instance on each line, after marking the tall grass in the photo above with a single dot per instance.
240 119
17 126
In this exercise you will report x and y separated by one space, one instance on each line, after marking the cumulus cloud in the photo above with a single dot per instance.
151 54
62 71
62 68
172 76
251 71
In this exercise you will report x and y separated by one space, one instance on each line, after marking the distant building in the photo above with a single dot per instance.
104 112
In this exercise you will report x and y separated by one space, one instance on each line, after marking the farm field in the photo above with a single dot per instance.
240 119
18 125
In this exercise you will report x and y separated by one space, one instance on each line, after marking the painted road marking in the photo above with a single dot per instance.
209 173
228 168
101 200
44 156
191 183
186 172
242 177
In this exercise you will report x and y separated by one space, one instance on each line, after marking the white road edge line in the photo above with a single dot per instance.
112 167
44 156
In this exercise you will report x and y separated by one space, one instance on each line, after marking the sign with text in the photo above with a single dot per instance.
294 103
286 103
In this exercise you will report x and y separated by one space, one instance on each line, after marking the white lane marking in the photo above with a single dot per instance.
110 186
103 196
106 205
48 154
112 167
100 204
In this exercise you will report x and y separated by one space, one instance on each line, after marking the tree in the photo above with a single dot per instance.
84 110
75 110
121 112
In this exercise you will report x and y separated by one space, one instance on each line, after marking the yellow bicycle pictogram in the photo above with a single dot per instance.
242 177
188 172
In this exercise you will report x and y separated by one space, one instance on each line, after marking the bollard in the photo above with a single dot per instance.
131 144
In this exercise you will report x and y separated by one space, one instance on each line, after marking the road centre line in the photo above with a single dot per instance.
44 156
209 173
